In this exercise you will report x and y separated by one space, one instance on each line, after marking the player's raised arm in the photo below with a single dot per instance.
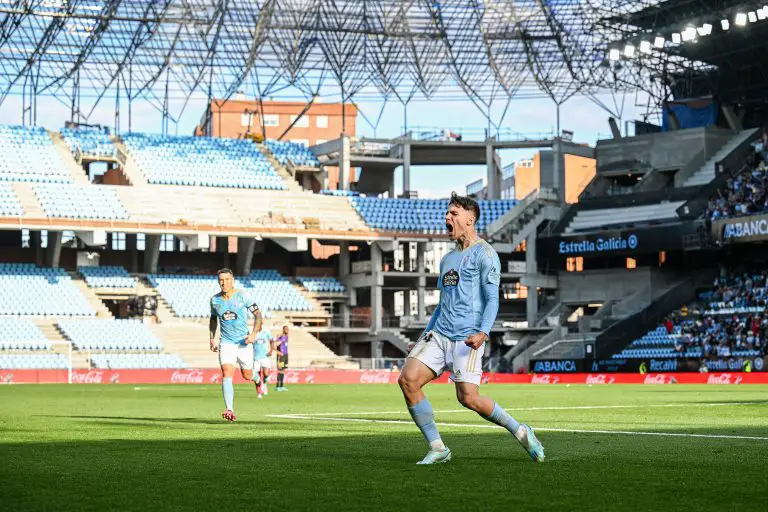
213 324
258 321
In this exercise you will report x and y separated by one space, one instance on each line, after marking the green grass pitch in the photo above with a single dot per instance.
315 447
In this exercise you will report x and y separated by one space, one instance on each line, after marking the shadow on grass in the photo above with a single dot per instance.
332 467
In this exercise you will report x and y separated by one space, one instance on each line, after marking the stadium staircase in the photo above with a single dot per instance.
130 170
28 200
394 337
290 181
93 299
706 172
49 329
512 228
79 177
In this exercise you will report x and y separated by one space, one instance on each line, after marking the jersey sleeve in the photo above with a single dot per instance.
490 269
440 273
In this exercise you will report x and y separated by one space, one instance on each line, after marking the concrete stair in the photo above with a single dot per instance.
187 339
79 177
512 228
48 327
131 171
26 195
306 351
290 181
706 172
90 295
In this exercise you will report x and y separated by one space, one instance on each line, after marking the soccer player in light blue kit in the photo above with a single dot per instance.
263 347
456 334
230 310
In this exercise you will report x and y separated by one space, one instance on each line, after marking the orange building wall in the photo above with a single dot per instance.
579 171
230 119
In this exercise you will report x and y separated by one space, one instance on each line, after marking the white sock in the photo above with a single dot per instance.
437 445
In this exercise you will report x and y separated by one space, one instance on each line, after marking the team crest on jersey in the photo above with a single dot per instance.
229 316
451 278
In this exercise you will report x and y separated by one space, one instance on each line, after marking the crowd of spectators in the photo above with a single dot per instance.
729 320
746 193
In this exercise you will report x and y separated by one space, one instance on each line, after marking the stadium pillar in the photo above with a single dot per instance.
36 244
377 349
558 171
245 249
376 287
406 168
492 174
531 268
422 284
131 245
151 253
734 123
53 251
344 163
343 273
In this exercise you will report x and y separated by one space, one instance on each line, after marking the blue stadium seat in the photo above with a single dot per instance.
89 142
27 290
425 216
29 154
296 152
80 202
19 334
33 362
202 161
189 295
322 284
102 334
137 361
9 202
107 277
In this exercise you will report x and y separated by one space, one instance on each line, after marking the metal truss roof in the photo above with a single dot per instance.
85 52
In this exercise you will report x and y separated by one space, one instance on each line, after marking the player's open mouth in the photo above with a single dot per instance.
449 228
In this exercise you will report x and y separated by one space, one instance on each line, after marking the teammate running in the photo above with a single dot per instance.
229 311
456 334
281 347
262 351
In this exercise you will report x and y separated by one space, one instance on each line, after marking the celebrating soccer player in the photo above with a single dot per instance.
456 334
229 310
262 351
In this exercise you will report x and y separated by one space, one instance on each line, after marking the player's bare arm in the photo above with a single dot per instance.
213 324
257 322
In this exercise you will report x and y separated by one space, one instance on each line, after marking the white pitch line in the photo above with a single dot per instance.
564 408
538 429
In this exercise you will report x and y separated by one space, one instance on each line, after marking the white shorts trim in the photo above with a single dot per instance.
231 353
264 363
440 353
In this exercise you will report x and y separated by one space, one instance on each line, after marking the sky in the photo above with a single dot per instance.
585 118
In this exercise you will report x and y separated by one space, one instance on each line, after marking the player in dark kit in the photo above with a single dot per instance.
281 345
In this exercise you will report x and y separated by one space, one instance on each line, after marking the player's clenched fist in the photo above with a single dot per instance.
214 347
476 340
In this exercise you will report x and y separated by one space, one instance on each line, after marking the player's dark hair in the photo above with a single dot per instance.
466 203
225 271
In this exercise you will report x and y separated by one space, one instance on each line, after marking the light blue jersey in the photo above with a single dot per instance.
469 292
233 315
262 344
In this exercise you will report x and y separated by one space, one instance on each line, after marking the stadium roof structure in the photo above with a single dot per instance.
83 52
705 47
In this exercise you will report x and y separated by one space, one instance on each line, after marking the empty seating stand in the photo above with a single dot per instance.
20 334
80 202
421 215
9 202
298 153
322 284
107 277
29 154
202 161
89 142
101 334
33 361
27 290
586 220
189 295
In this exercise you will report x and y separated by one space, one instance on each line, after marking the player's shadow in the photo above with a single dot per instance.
289 465
124 420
